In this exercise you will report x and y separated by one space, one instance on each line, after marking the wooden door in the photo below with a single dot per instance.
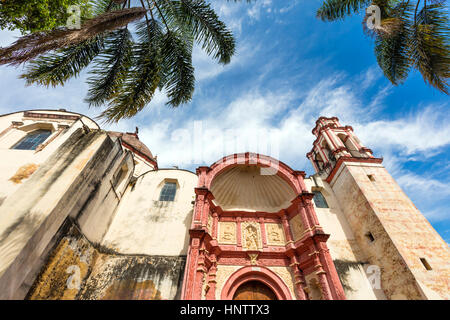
254 290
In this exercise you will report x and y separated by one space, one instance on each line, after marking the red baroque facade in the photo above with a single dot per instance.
306 255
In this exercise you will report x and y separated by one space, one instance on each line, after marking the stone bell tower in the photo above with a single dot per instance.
389 230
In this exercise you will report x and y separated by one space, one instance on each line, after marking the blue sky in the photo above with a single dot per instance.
289 69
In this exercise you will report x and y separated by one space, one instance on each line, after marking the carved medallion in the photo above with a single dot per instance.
275 234
296 227
227 232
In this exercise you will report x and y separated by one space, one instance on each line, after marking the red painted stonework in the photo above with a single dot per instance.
305 256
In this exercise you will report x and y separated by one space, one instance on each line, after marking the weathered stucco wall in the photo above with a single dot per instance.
78 270
401 234
17 166
349 260
60 187
145 225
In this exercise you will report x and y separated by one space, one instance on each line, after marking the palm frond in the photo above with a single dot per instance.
429 46
338 9
392 43
110 68
35 44
142 81
207 29
178 72
56 68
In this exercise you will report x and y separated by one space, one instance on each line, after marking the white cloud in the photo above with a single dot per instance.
421 132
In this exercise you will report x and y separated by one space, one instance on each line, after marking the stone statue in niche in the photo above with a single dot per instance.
251 238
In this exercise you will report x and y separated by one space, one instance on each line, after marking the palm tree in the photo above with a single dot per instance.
411 34
128 63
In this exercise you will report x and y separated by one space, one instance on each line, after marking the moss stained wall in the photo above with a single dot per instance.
77 269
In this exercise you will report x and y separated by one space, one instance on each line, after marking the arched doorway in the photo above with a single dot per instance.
254 290
249 281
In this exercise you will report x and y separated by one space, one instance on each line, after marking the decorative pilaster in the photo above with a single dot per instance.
299 279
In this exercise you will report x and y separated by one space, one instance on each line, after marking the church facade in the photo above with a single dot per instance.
88 214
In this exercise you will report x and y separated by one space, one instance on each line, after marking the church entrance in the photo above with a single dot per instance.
254 290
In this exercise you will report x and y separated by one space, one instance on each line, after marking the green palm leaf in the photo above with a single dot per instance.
127 70
55 69
178 71
392 43
111 68
142 81
338 9
429 47
208 30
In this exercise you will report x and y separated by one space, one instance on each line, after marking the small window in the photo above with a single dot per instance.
319 200
370 237
371 177
426 264
168 192
32 140
117 177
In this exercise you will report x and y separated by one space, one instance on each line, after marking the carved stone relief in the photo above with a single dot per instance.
296 227
227 232
251 236
275 234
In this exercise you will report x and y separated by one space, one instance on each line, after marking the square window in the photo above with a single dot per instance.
168 192
425 264
371 177
32 140
319 199
370 237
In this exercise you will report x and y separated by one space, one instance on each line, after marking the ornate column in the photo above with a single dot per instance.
201 211
328 265
286 228
238 232
215 225
191 268
200 276
300 283
321 274
263 232
212 283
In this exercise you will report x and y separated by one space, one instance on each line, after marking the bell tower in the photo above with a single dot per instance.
389 230
335 144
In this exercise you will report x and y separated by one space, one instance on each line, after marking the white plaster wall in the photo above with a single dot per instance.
12 160
342 244
145 225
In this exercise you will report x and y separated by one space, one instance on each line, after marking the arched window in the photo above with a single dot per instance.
32 140
349 145
168 192
319 199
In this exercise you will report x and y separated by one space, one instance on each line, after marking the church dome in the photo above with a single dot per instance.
132 141
244 188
